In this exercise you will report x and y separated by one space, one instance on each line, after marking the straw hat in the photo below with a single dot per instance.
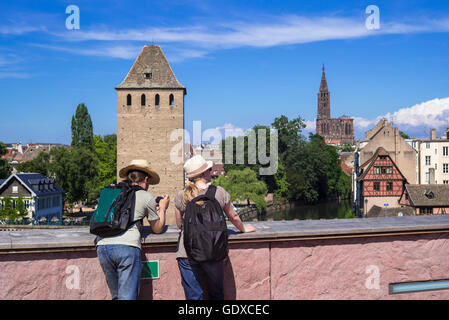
140 165
196 166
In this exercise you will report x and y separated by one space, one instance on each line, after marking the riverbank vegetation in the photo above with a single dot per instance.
308 170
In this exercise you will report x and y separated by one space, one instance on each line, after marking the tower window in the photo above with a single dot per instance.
148 75
142 100
128 100
156 100
172 100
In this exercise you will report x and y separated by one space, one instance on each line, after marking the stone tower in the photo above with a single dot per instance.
324 105
150 106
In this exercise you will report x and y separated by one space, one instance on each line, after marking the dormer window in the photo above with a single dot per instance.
148 75
429 194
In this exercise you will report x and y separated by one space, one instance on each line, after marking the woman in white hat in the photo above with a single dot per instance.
198 172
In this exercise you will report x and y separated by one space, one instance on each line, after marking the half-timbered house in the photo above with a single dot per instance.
381 182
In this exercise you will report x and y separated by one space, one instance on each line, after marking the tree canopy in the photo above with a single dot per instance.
243 185
5 167
307 169
82 129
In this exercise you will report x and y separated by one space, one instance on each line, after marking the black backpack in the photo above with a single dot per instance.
115 210
205 230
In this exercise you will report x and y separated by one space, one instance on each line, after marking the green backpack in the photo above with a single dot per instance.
115 210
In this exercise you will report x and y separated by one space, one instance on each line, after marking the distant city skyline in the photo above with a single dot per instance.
255 60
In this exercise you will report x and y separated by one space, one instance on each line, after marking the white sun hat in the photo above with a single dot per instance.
196 166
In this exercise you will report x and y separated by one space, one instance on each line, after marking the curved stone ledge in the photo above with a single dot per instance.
57 239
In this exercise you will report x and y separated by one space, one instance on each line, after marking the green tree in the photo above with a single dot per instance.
281 182
313 171
5 208
106 153
21 211
257 133
289 133
81 160
10 208
5 167
82 128
244 185
82 171
404 135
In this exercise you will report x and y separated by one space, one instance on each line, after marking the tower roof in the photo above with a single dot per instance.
151 70
323 85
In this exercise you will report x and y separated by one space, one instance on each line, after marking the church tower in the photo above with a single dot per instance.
324 105
150 106
334 130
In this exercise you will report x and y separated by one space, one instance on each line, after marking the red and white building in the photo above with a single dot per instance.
382 183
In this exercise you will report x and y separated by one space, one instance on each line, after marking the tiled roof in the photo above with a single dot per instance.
151 61
31 180
377 211
428 195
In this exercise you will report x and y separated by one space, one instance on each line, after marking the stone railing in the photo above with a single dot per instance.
300 259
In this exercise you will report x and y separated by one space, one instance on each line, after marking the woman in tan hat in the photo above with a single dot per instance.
198 172
120 256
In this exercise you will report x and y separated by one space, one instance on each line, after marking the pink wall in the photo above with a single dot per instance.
299 269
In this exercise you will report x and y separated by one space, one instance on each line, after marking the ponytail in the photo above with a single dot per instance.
190 192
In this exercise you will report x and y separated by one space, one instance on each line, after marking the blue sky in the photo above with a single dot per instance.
243 62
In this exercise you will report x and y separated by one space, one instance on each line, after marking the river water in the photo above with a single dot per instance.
326 210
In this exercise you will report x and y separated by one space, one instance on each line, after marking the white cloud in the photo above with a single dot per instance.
229 130
280 30
310 125
433 113
196 41
18 29
113 51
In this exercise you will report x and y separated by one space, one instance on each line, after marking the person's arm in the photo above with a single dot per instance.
235 219
158 225
178 218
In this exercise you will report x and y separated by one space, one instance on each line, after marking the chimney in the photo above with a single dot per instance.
433 134
431 175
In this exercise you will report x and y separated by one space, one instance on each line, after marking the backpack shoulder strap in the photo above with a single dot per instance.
211 191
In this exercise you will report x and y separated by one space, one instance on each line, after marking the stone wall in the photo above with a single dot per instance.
313 259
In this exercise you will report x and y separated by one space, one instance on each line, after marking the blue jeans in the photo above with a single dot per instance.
122 266
191 275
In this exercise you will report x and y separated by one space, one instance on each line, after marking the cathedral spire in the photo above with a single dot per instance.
323 85
324 107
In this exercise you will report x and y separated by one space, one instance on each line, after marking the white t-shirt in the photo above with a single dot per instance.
145 207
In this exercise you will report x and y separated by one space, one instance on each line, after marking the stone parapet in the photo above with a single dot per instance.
300 259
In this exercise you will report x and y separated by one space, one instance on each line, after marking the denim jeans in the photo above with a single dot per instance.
191 275
122 266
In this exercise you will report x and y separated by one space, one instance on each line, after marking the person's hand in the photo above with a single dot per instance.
164 202
249 228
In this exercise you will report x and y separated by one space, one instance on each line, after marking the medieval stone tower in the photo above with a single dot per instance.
335 131
150 106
